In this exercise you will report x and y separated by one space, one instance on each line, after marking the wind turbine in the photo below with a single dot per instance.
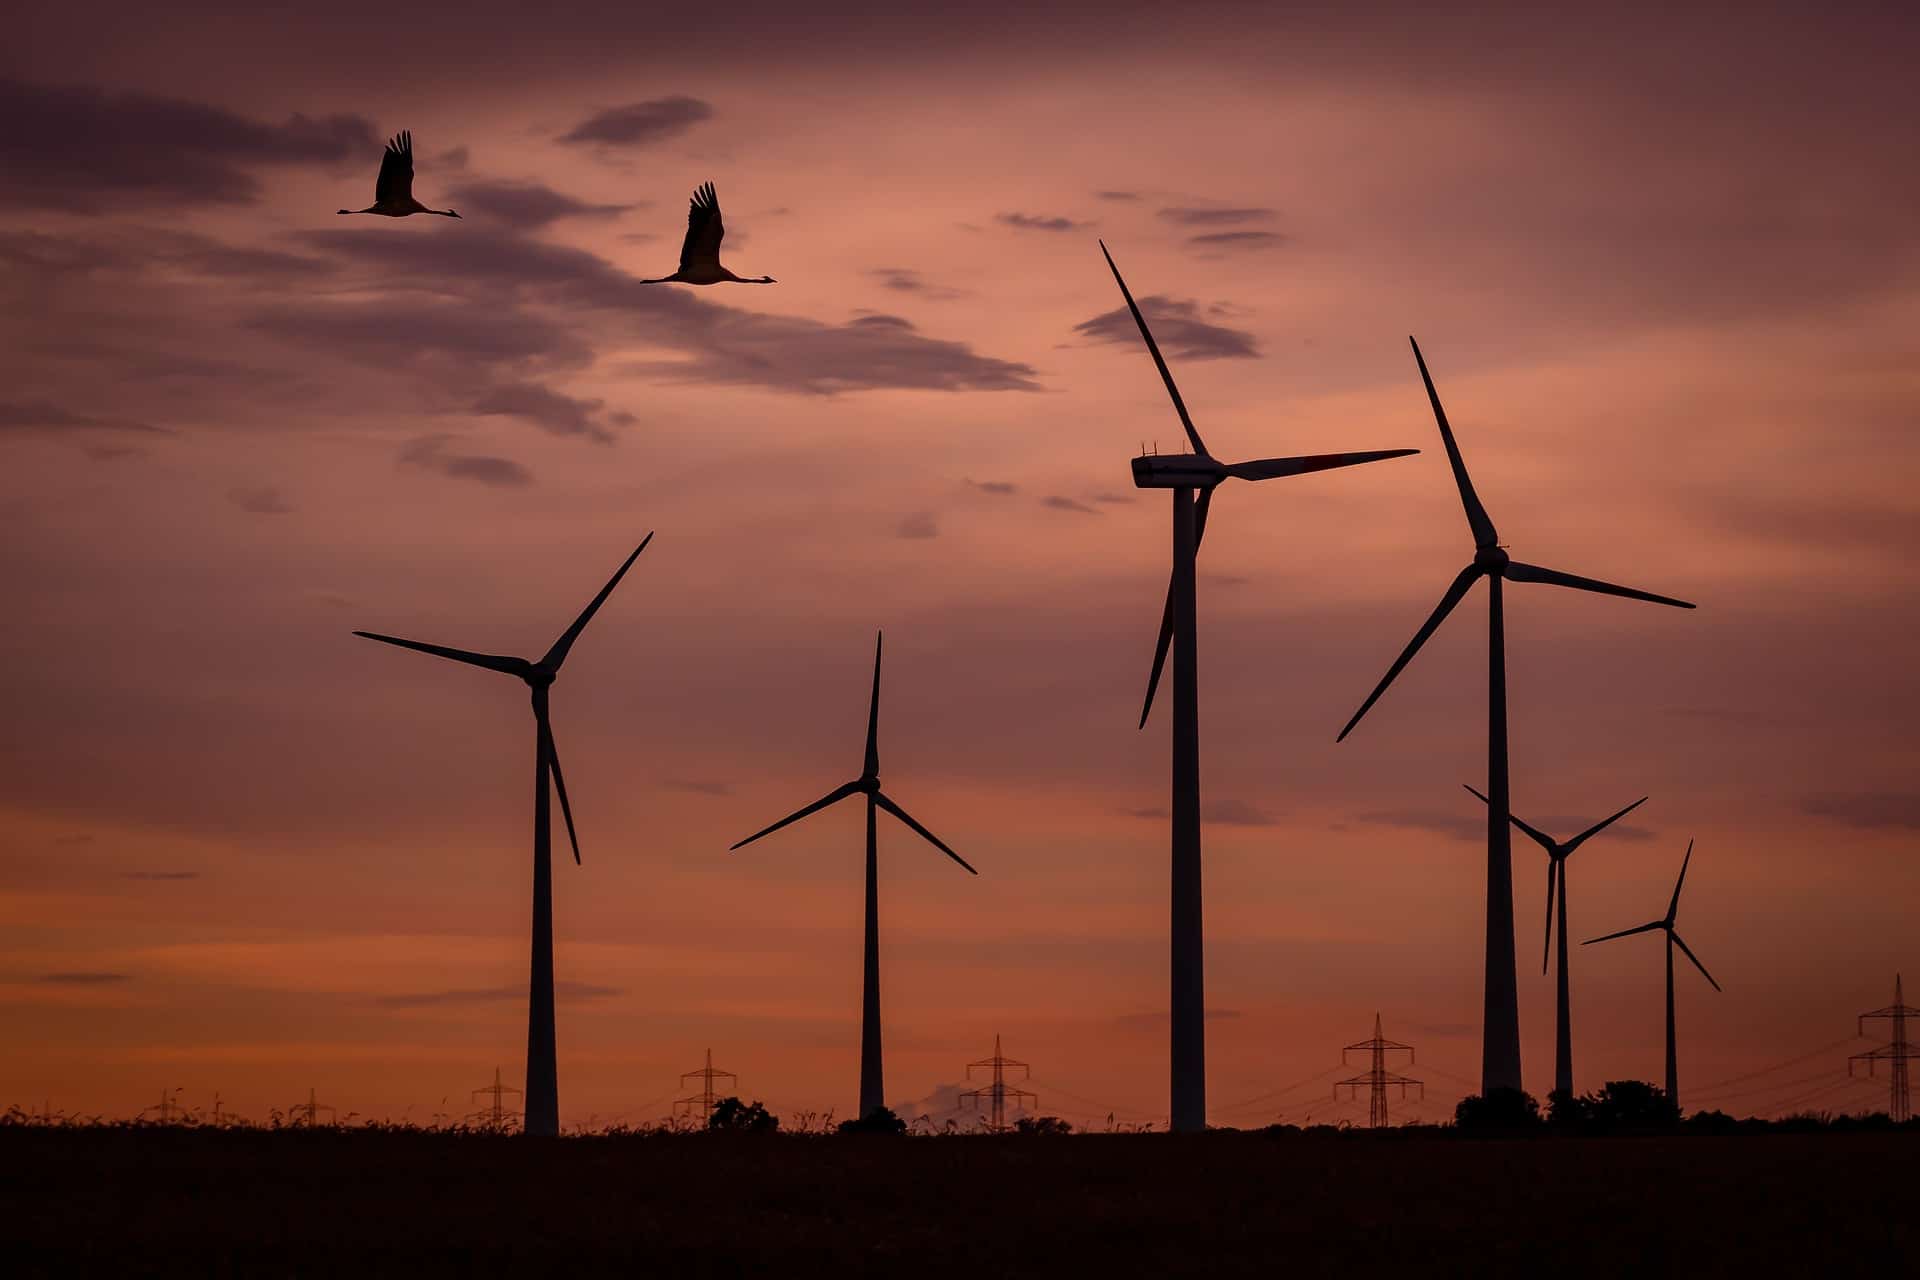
543 1087
1557 853
872 1092
1673 940
1184 473
1500 1024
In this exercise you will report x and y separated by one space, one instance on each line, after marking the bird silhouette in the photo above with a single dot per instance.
393 191
700 252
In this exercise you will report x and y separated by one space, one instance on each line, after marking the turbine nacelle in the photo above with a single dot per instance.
1177 471
1491 560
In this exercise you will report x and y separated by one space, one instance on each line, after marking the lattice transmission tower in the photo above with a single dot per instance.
308 1112
497 1115
1898 1053
997 1093
1377 1079
703 1101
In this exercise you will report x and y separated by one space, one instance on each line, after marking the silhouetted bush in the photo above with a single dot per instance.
730 1115
878 1120
1567 1112
1712 1122
1631 1106
1499 1111
1041 1125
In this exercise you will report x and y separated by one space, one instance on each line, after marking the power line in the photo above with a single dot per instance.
997 1093
1897 1052
1377 1078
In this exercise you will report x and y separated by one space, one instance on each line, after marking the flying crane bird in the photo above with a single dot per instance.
700 251
393 190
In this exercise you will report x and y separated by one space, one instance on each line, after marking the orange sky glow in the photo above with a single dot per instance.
1666 275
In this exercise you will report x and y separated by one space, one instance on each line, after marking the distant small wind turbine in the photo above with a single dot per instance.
1665 924
1500 1017
1184 473
393 190
868 783
543 1087
1557 853
700 251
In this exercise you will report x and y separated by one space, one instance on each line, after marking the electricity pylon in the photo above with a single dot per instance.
496 1114
308 1112
703 1101
997 1093
1377 1077
1899 1053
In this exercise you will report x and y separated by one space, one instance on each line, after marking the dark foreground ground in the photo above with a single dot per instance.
137 1202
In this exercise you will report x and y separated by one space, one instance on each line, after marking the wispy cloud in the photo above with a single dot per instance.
918 525
1202 217
80 150
42 415
430 453
84 979
1237 240
550 410
1039 222
1177 327
1870 809
262 501
639 124
525 206
1060 502
999 488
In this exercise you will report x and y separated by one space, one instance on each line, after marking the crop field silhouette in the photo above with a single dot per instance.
125 1199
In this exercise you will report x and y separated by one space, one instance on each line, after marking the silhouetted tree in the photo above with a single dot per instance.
1631 1106
730 1115
878 1120
1567 1112
1041 1125
1498 1111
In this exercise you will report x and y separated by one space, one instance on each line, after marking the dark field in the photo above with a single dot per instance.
122 1201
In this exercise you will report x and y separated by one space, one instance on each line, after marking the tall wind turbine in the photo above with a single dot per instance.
1674 939
1557 854
1184 473
543 1083
1500 1023
872 1091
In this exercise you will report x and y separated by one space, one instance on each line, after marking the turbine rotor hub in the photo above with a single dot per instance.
1491 559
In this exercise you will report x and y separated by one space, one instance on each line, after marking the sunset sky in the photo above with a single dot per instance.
1666 273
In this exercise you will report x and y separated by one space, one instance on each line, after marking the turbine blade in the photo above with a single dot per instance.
881 799
1484 534
1166 613
1166 375
1553 577
1553 867
1539 837
1275 468
1602 825
1624 933
491 661
1673 907
559 784
873 714
832 797
1447 602
558 654
1682 944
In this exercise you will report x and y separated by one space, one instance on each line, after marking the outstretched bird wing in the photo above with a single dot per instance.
704 229
396 170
